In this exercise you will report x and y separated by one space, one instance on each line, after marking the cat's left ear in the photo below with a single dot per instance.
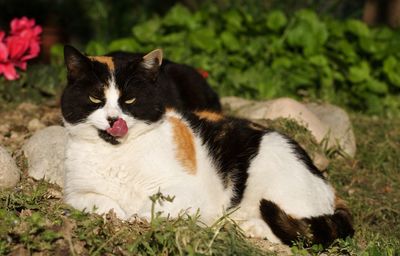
152 61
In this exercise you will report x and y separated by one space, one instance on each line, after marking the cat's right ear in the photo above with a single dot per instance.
152 62
77 63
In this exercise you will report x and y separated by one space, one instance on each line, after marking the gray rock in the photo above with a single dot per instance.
339 124
9 172
35 125
326 122
45 154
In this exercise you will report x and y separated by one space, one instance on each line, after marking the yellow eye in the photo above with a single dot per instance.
94 100
130 101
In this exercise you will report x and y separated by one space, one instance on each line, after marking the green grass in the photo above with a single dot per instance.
34 219
371 184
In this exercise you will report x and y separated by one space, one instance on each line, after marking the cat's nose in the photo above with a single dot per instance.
111 120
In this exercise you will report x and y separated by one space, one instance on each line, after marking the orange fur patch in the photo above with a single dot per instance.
210 116
105 60
184 140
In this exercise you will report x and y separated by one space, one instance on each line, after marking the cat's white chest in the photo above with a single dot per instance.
131 172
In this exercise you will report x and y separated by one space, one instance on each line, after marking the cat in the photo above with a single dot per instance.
126 143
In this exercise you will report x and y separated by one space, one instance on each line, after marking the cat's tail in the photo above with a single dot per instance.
322 229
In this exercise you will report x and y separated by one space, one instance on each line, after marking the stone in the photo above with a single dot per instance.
45 154
326 122
273 109
9 172
234 103
35 125
339 126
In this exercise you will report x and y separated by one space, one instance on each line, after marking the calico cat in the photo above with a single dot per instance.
126 143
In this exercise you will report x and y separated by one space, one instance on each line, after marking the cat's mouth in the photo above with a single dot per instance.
118 129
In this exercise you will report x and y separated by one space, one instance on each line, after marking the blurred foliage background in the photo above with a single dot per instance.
306 49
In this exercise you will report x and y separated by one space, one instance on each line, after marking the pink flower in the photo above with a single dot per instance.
19 25
23 44
3 48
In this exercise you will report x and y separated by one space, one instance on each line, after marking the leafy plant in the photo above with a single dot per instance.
272 55
38 83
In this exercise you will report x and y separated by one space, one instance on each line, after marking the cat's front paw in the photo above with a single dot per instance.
113 211
92 202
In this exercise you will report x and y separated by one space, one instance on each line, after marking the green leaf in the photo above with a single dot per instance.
276 20
95 48
359 73
346 51
255 46
308 32
147 31
230 41
391 68
233 20
319 60
281 63
358 28
180 16
368 45
237 60
204 39
377 86
179 54
336 28
174 38
124 44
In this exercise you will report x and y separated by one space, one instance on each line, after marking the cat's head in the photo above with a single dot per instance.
111 96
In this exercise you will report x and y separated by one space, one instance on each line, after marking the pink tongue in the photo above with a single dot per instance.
119 128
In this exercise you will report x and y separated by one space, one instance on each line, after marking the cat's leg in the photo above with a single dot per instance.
97 203
250 221
256 227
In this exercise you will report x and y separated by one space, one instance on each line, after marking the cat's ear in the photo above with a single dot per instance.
77 63
152 61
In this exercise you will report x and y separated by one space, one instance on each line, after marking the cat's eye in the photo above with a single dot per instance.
130 101
94 100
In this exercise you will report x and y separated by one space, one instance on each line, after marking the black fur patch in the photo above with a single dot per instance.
286 228
318 230
75 103
327 228
232 144
108 138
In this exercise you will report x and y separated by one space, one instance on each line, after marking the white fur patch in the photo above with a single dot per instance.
111 108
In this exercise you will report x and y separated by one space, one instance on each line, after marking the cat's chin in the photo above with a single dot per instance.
108 137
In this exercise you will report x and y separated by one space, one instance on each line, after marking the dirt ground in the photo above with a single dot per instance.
21 122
